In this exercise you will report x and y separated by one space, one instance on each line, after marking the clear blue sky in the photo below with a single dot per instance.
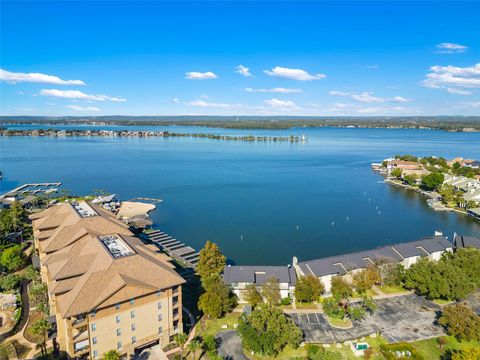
312 58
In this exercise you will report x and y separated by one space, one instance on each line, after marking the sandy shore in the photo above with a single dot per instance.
130 209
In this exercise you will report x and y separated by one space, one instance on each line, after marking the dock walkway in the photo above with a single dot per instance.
175 248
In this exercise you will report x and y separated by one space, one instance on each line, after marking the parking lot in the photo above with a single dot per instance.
401 318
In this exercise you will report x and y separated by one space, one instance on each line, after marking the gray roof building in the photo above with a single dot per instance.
466 241
259 274
341 264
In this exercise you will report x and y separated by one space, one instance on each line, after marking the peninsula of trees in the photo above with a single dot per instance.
447 123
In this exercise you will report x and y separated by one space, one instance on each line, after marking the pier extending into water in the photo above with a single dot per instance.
175 248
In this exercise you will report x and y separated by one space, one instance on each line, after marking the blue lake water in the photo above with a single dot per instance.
261 202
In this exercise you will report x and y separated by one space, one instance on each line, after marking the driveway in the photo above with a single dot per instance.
401 318
474 301
230 346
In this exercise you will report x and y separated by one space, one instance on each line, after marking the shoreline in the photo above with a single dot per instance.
271 124
139 134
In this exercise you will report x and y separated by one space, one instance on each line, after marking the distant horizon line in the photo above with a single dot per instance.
39 117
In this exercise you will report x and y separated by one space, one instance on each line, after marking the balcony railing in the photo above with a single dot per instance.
79 322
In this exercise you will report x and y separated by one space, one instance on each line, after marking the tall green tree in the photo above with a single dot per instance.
364 280
217 299
211 261
271 292
13 258
252 295
340 288
267 330
461 321
308 289
433 180
396 173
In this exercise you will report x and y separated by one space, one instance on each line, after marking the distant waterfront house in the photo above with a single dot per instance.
473 195
404 165
462 183
474 212
238 277
474 164
406 254
461 242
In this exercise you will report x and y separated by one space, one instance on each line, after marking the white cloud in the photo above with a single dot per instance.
451 48
80 108
78 95
36 78
293 74
367 97
210 104
243 70
450 78
399 99
458 91
372 66
26 109
475 104
274 90
284 104
195 75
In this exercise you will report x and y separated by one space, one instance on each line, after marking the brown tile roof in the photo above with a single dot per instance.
84 274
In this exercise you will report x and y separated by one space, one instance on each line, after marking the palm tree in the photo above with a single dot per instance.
111 355
181 339
194 346
41 327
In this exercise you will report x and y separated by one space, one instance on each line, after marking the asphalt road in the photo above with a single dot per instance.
230 346
402 318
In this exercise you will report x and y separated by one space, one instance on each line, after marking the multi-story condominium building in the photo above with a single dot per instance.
407 254
239 277
107 289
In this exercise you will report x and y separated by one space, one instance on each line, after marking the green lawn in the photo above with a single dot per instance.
392 289
28 334
343 323
430 349
442 302
302 305
214 326
370 292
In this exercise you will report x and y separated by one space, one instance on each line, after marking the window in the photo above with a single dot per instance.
159 293
132 314
93 313
117 319
119 332
160 329
159 317
95 354
117 306
133 327
119 345
94 340
134 339
132 301
94 327
159 305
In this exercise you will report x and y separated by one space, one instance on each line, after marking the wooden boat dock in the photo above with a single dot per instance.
175 248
